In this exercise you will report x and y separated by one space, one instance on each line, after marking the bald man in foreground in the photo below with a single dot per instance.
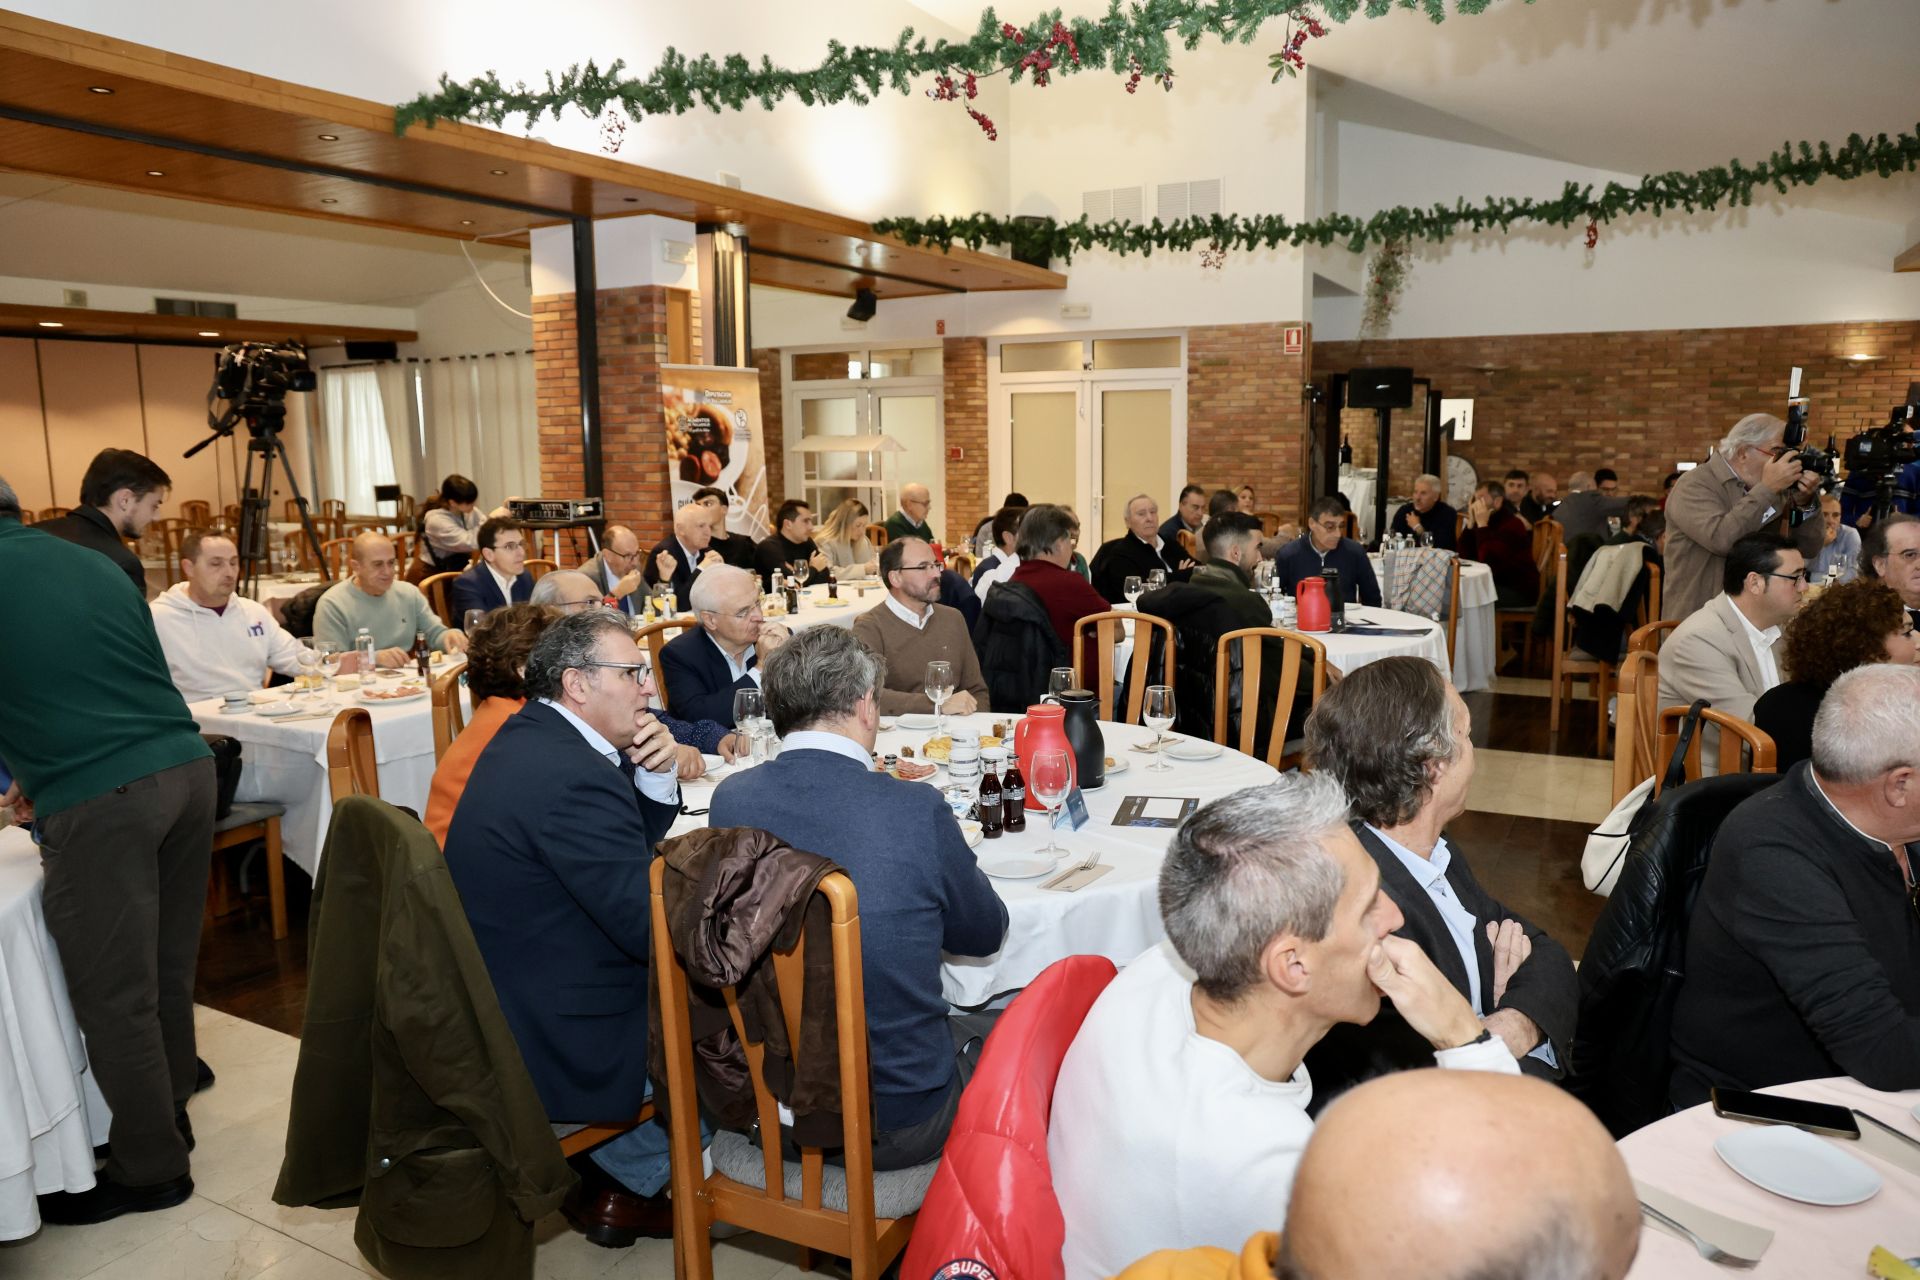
391 610
1443 1174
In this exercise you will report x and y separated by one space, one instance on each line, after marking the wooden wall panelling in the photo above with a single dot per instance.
23 432
93 403
173 385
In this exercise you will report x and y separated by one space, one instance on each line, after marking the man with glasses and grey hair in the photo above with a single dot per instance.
1803 956
704 666
549 847
1746 485
1182 1106
919 900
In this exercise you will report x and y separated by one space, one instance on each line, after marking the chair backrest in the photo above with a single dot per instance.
1293 648
1650 602
1269 522
962 563
698 1199
1744 747
337 550
435 587
51 513
289 509
1633 722
1097 637
1453 605
402 549
449 715
653 638
1649 638
1352 529
540 568
992 1198
334 509
1548 536
1459 526
196 513
877 534
352 769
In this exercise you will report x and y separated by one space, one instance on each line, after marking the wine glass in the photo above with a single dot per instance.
1050 779
471 619
1156 579
662 596
1158 713
939 687
309 659
1059 680
749 707
1132 589
330 659
800 569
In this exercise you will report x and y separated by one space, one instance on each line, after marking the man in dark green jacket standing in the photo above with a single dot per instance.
110 766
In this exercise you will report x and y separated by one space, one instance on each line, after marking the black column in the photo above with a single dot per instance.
586 327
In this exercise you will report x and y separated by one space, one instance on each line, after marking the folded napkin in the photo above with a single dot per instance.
1730 1234
1877 1141
1073 881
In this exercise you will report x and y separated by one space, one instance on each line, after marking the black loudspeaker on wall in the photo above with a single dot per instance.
373 350
1380 389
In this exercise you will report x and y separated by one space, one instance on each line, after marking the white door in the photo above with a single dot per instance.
1134 450
1047 431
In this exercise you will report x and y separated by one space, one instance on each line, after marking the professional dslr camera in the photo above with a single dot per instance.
1822 462
254 378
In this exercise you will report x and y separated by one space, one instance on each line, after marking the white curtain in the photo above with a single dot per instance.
356 453
401 404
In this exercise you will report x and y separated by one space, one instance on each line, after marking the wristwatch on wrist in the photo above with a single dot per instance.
1486 1034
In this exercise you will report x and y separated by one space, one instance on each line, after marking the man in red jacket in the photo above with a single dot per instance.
1498 537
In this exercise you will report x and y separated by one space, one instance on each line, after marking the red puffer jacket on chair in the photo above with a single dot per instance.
990 1213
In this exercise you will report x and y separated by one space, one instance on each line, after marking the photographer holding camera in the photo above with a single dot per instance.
1749 482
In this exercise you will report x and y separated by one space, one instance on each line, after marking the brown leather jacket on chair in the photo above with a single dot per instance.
410 1095
730 896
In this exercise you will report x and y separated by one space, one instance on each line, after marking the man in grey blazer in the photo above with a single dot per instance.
1724 652
616 569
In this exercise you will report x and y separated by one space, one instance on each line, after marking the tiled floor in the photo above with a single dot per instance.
232 1230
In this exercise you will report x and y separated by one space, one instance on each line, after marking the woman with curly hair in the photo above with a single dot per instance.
1847 626
496 655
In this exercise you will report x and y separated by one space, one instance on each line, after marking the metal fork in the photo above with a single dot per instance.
1706 1248
1087 863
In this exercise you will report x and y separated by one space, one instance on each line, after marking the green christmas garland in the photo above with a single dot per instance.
1129 41
1730 184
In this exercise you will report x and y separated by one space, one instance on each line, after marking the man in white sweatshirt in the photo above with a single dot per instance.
217 642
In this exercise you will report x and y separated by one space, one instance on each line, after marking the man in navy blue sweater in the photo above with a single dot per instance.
921 893
1321 548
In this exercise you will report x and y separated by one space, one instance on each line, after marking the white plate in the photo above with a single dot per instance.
1793 1163
392 702
1018 866
917 720
886 723
1916 1113
1191 749
714 763
274 710
1119 765
973 833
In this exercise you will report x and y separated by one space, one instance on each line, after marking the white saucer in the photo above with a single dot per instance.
1019 866
274 710
917 720
1119 765
1793 1163
1191 749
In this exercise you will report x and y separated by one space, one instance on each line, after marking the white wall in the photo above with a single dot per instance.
1801 259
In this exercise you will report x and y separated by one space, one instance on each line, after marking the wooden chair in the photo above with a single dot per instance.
352 769
402 550
231 514
1547 540
337 551
962 563
50 513
449 716
1453 607
1294 645
790 1203
435 587
289 509
1744 748
1269 522
196 513
1459 526
653 638
877 534
1649 638
169 530
243 825
540 568
1650 603
1093 668
1569 664
589 1136
334 509
1638 687
1353 527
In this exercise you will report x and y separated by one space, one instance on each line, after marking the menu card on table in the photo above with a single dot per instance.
1154 811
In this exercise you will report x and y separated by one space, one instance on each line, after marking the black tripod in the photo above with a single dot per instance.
256 504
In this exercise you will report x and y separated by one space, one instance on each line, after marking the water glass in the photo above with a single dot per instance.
1156 579
1050 779
309 659
330 659
749 709
471 619
1059 680
1158 713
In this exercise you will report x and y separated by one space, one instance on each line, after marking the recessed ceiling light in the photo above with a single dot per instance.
51 324
466 222
498 173
631 199
98 88
208 333
156 173
328 200
329 137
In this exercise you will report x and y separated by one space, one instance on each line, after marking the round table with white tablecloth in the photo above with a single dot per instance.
1676 1156
1474 647
1357 484
51 1116
1116 916
815 607
270 587
285 761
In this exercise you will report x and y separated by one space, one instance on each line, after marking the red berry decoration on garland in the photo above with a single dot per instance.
1593 232
1214 255
1133 80
986 124
613 131
1013 33
973 87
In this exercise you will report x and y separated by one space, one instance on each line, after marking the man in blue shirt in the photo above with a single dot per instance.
1321 548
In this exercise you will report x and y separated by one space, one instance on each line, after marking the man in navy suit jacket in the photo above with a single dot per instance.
549 848
703 666
921 894
681 559
499 577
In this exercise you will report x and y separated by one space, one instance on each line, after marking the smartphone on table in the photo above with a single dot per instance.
1766 1108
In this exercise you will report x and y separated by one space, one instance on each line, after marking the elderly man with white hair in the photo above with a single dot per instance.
702 667
1803 957
910 521
1746 484
1428 514
566 591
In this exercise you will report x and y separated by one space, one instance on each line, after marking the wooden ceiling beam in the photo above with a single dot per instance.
1909 259
20 320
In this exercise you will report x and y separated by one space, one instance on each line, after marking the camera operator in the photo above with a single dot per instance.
1748 483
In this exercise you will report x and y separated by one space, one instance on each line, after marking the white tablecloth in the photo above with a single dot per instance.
1474 652
50 1113
814 610
1118 915
279 587
287 763
1676 1155
1358 486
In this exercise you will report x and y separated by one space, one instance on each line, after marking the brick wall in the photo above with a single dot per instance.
964 374
1640 401
1246 420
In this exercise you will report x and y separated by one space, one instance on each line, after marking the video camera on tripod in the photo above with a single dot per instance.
253 379
1877 456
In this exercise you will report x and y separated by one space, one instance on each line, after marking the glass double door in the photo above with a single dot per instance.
1092 444
912 417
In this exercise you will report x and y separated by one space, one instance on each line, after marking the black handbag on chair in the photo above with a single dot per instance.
226 768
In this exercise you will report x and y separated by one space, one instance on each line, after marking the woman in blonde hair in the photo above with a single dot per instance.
844 538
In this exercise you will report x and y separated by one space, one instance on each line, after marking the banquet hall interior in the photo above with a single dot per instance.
1160 277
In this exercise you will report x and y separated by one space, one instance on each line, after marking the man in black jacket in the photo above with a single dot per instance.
1427 515
119 497
549 849
1803 958
1519 980
1138 552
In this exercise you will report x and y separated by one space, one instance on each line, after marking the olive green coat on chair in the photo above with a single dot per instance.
410 1096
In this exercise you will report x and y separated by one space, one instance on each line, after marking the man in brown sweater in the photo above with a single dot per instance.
910 628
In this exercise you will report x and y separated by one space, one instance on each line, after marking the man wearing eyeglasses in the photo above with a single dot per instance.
911 628
549 848
704 666
1746 485
1725 651
616 570
1801 952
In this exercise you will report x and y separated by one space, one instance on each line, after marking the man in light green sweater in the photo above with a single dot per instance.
391 611
910 628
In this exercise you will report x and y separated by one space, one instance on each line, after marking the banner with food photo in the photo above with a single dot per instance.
714 439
